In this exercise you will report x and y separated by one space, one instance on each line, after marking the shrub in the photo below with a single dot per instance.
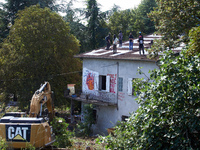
62 135
3 144
84 128
168 116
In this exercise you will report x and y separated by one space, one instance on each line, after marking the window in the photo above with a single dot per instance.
120 87
104 83
131 88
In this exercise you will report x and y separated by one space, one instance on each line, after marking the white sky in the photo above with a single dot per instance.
107 4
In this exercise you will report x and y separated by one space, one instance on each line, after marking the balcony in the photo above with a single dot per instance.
99 98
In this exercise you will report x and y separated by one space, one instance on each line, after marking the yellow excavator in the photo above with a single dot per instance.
21 132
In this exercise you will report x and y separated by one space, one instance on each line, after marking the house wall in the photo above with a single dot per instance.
107 116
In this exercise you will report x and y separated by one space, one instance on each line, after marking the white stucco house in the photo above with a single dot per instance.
107 81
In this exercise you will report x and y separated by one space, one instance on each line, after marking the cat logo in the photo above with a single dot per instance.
20 133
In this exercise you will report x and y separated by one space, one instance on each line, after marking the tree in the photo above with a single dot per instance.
174 19
93 22
77 28
121 20
4 29
11 7
168 117
92 14
96 28
39 48
194 42
143 23
133 20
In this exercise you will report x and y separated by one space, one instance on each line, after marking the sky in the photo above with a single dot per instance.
108 4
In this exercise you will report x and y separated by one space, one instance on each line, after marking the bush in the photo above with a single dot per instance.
62 135
84 128
168 117
3 144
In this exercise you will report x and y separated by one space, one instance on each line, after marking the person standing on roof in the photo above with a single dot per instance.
115 41
120 38
130 41
141 43
108 41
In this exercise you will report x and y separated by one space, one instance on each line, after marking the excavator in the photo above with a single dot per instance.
21 132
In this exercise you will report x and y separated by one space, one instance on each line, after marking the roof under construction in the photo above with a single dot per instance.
124 52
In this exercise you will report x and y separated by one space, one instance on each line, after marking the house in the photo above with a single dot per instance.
107 81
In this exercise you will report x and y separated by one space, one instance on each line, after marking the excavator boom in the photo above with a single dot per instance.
40 97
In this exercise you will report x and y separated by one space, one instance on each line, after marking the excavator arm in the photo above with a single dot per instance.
40 97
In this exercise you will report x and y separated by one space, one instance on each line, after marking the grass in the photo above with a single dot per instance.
79 143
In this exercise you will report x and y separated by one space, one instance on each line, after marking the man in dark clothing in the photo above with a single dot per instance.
107 41
130 41
141 42
120 38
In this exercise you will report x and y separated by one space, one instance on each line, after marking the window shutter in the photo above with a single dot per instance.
96 82
120 84
130 86
107 83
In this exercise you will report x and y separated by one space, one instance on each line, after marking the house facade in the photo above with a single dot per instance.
107 82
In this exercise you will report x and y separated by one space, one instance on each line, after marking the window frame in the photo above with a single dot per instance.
107 83
131 90
130 86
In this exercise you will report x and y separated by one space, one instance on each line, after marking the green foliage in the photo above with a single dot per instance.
175 18
39 48
143 23
11 7
194 47
76 27
84 128
93 21
134 20
168 117
29 147
92 35
3 25
121 20
96 25
84 143
62 134
3 144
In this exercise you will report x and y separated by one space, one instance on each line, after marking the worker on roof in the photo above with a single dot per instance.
130 41
108 41
120 38
141 43
115 41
